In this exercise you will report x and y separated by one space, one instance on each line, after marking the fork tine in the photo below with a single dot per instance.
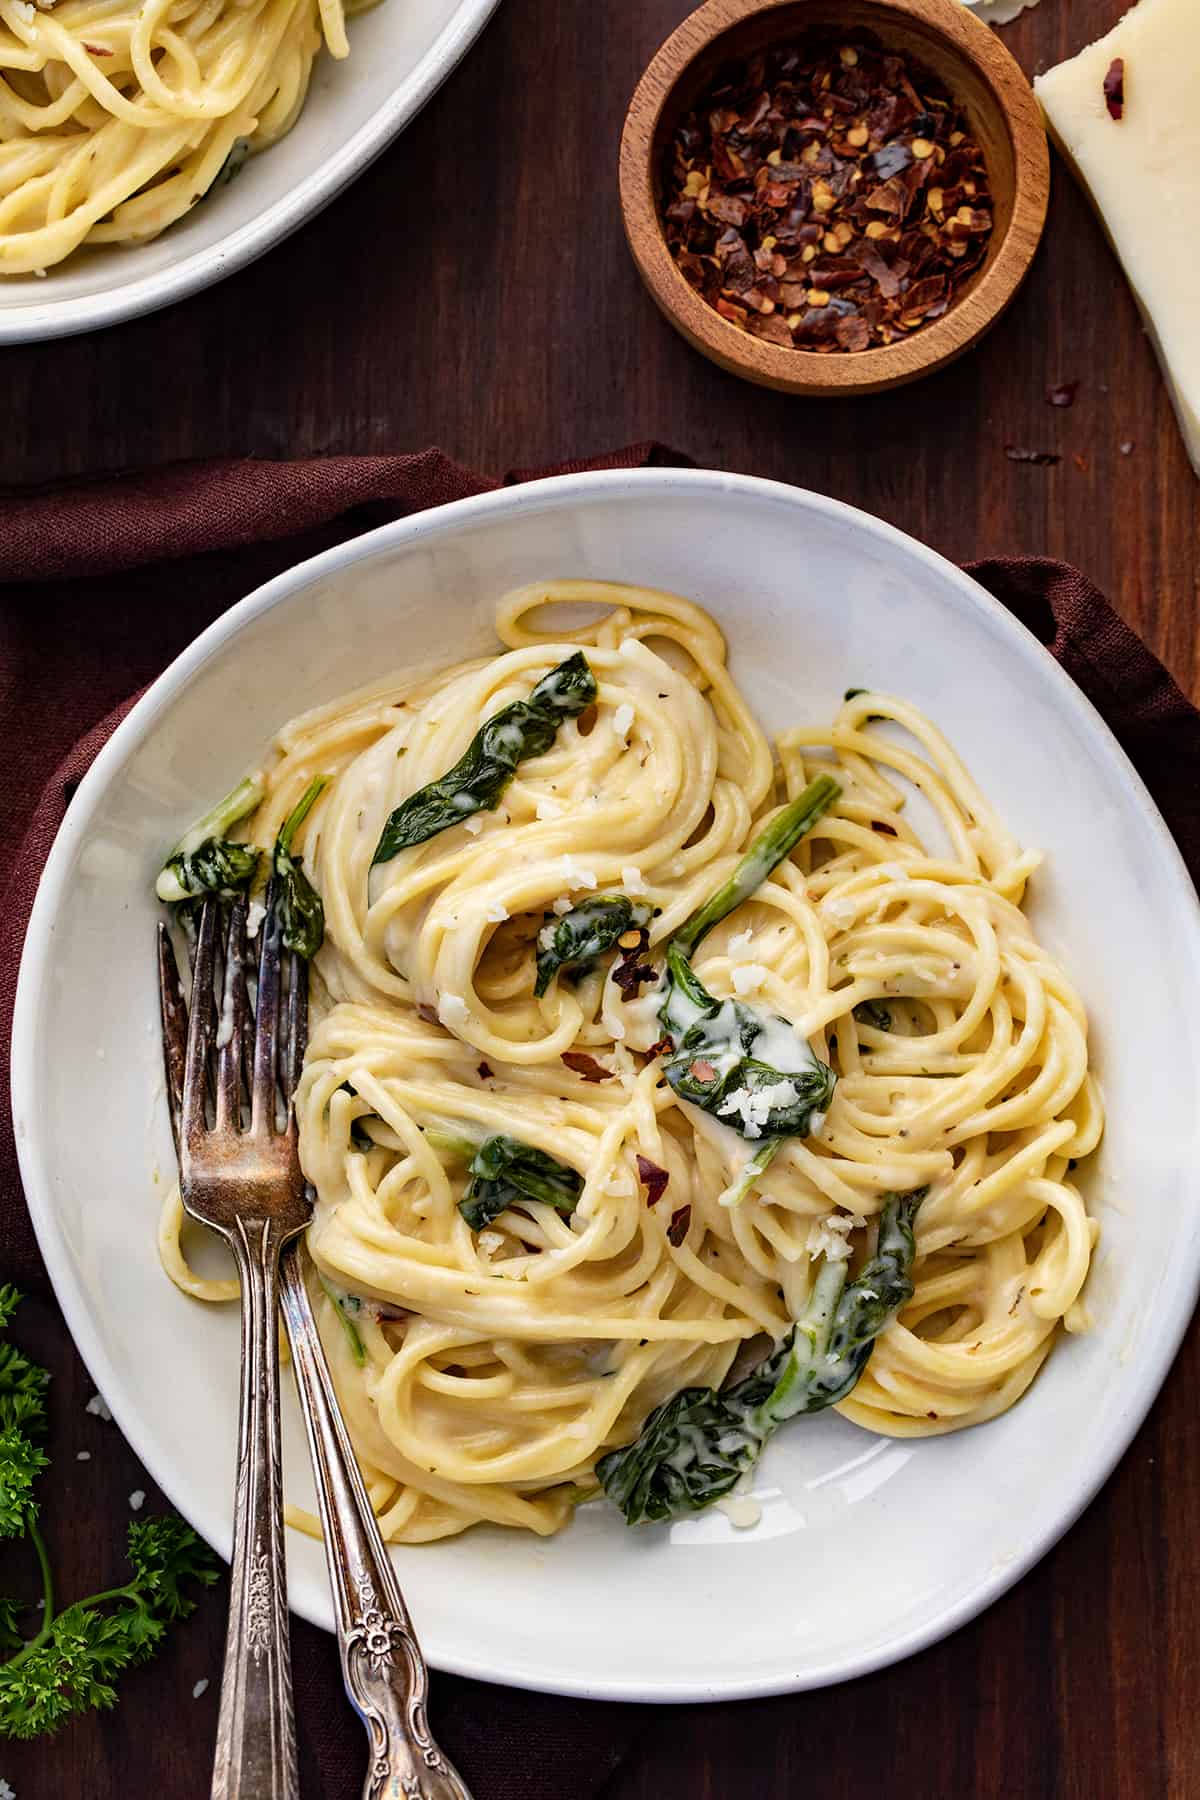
199 1037
234 1006
263 1092
173 1009
297 1032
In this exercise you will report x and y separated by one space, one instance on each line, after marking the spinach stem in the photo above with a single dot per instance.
776 840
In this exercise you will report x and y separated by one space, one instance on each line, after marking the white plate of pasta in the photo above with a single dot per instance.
754 1211
126 125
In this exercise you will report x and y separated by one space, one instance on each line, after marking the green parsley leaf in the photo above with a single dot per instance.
11 1612
69 1672
22 1390
70 1666
20 1464
163 1553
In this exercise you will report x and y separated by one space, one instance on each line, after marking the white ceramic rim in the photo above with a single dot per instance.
1114 1433
92 312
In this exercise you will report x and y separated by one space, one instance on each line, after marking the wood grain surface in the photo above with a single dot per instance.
474 290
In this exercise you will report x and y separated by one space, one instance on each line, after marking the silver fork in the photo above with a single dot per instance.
244 1179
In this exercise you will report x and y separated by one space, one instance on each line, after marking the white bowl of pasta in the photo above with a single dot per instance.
127 124
873 1155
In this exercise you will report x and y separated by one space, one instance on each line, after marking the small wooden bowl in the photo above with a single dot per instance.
974 66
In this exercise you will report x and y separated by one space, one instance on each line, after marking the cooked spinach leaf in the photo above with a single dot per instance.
580 937
720 1060
204 861
301 914
696 1447
744 1065
478 779
504 1172
873 1013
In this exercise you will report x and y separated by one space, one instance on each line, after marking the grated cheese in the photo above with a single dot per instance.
839 911
576 877
623 719
452 1010
830 1237
754 1109
748 977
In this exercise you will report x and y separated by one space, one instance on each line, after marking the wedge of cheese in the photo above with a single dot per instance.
1142 170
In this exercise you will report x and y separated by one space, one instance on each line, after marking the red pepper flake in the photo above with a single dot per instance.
1114 88
677 1230
663 1047
97 50
582 1064
485 1072
1062 395
1044 459
629 973
428 1013
653 1179
701 1070
827 194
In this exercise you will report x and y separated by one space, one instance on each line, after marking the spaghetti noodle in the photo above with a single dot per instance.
485 1368
118 116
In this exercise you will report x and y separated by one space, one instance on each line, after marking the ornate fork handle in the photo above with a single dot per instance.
256 1735
382 1665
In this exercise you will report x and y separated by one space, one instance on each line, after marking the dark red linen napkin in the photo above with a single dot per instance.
101 584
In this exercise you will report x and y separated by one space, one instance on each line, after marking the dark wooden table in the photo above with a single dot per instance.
473 290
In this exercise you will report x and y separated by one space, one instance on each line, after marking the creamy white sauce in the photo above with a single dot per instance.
225 1028
781 1045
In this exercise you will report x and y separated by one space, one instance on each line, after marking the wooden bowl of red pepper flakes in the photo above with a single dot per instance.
833 196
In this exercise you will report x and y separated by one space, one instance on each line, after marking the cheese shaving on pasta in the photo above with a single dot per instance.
490 1366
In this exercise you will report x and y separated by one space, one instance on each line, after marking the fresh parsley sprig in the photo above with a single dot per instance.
72 1662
